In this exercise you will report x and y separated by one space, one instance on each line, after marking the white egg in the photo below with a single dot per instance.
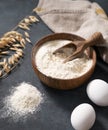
97 91
83 117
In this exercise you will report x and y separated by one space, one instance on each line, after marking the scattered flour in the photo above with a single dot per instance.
52 64
23 100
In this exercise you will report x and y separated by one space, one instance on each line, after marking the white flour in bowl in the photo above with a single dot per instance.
52 64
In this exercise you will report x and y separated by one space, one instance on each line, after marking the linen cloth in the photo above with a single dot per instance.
80 17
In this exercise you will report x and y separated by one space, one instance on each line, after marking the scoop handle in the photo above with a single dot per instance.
96 38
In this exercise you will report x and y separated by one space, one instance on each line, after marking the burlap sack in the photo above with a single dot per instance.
79 17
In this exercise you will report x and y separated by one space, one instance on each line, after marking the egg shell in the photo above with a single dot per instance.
83 117
97 91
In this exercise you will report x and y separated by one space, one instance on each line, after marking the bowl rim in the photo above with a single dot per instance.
37 46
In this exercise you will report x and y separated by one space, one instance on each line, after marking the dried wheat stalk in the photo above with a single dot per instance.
12 44
26 22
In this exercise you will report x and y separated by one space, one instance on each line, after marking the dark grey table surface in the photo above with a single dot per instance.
56 110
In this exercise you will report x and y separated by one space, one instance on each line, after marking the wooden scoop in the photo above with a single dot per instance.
80 46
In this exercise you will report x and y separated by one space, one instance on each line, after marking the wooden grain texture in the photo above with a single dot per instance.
63 84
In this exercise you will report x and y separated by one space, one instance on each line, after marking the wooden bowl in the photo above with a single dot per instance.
57 83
